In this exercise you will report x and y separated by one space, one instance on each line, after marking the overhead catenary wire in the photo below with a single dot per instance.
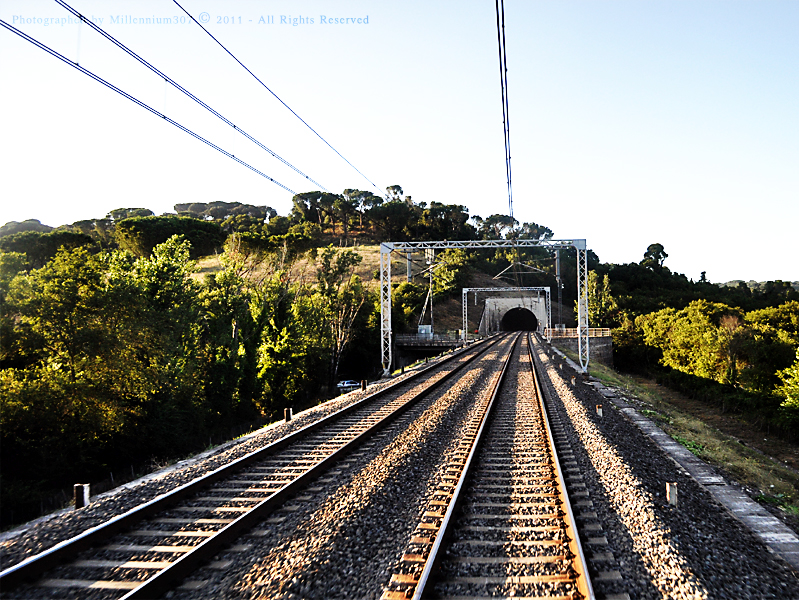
503 81
177 86
221 45
111 86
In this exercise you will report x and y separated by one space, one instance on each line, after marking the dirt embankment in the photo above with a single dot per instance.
781 450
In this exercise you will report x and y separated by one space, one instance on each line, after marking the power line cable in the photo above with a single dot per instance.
503 80
177 86
110 86
275 95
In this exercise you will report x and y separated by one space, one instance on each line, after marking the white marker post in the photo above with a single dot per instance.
671 493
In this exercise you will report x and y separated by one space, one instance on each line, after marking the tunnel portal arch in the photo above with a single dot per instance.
518 319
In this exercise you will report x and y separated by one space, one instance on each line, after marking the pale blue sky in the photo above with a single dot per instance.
632 122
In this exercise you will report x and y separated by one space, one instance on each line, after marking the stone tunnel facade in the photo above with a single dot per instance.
514 314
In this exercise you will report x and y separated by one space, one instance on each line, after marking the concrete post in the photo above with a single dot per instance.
81 493
671 493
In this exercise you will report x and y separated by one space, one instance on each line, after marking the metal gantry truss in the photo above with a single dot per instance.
386 248
506 289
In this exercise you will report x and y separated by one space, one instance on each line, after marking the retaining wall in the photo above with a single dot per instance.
600 348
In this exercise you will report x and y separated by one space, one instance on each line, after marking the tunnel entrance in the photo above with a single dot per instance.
518 319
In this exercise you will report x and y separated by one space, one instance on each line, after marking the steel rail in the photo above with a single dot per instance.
423 587
575 546
33 567
445 530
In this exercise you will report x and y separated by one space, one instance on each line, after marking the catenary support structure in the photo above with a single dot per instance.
386 248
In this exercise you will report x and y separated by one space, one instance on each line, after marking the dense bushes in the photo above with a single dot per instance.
139 235
41 247
789 390
110 360
712 351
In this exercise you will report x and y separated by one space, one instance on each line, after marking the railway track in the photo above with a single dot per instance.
151 549
500 523
445 485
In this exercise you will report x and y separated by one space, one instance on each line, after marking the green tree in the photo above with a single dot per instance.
368 202
341 296
495 226
789 390
292 356
100 230
445 222
394 193
162 344
307 208
12 264
602 307
62 306
533 231
114 367
228 349
242 223
654 257
694 340
120 214
30 225
346 207
222 211
60 413
452 273
767 343
327 204
392 219
783 318
406 304
361 201
140 235
41 247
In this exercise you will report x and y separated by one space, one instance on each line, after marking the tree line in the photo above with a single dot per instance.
114 351
111 358
737 346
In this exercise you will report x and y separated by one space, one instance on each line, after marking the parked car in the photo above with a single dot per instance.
348 385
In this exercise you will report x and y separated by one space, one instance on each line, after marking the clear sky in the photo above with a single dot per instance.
632 122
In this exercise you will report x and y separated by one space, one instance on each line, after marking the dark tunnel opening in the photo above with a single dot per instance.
518 319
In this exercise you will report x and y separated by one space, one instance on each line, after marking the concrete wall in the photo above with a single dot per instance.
600 349
495 309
